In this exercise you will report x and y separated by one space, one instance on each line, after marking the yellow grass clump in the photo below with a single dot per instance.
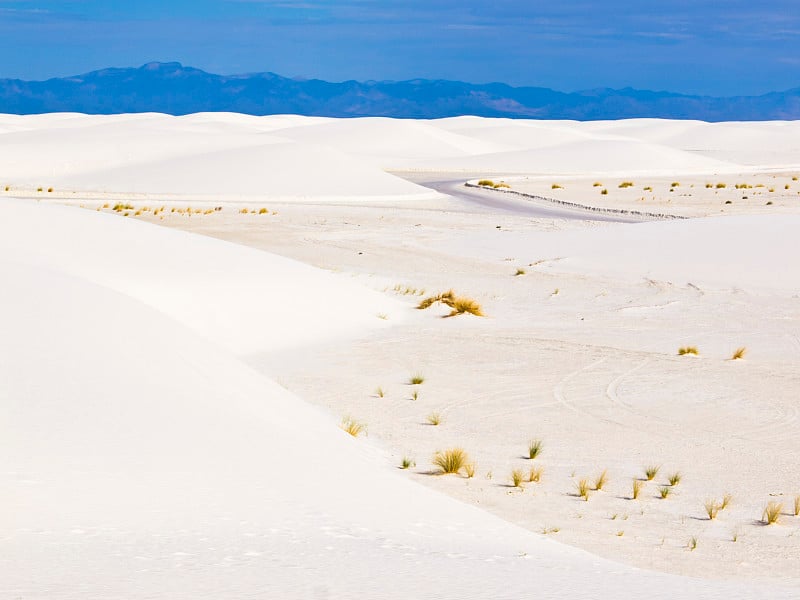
772 512
739 353
486 182
458 304
352 426
684 350
451 461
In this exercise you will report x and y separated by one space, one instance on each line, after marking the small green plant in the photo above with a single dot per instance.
486 182
583 489
407 463
675 478
451 461
352 426
692 543
638 484
712 508
434 419
651 472
520 272
417 380
684 350
601 480
469 470
772 512
665 491
517 477
534 448
535 475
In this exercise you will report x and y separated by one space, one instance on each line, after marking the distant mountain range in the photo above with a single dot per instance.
175 89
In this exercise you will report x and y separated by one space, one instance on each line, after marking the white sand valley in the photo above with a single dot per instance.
170 401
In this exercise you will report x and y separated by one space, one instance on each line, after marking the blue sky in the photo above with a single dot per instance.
725 47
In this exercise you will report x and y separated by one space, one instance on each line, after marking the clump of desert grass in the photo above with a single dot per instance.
665 491
517 477
739 353
675 478
407 463
597 184
519 272
636 489
434 419
486 182
417 379
583 489
721 186
604 192
692 544
725 502
379 392
625 184
451 461
352 426
686 350
712 509
797 505
675 184
535 474
534 448
772 512
601 480
415 395
556 186
651 472
459 304
469 470
647 188
500 185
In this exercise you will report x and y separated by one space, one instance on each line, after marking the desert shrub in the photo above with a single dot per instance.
556 186
407 463
451 461
739 353
650 472
665 492
720 186
597 184
604 192
517 477
352 426
625 184
486 182
458 304
772 512
434 418
535 475
500 185
520 272
416 379
683 351
638 484
534 448
675 478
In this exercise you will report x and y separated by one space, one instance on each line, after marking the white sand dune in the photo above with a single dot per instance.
147 449
141 460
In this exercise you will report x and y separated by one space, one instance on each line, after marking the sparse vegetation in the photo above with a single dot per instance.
651 471
797 505
725 502
692 543
459 304
451 461
583 489
407 463
626 184
597 184
721 186
638 484
739 353
675 184
535 474
675 478
517 477
684 350
434 419
502 184
50 190
647 189
379 392
415 395
772 512
352 426
261 211
601 480
486 182
534 448
604 192
712 508
555 186
519 272
416 380
469 470
665 491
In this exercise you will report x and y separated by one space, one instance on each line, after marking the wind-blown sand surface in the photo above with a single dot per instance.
171 401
